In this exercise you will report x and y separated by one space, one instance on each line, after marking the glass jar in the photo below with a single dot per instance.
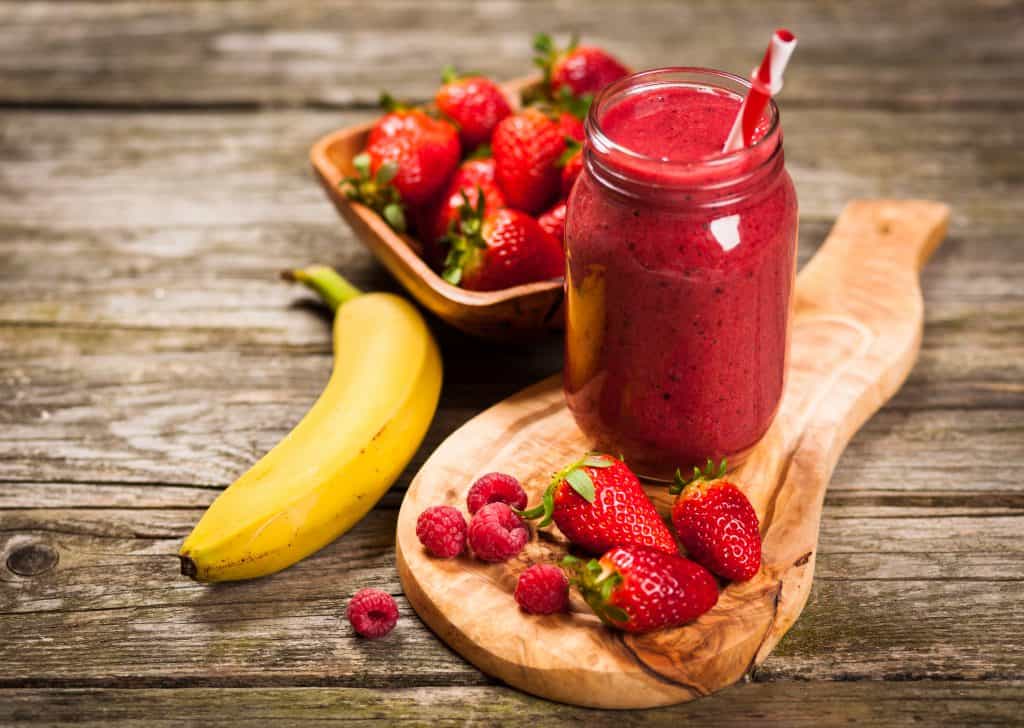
681 262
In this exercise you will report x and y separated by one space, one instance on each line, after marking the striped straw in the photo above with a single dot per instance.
766 81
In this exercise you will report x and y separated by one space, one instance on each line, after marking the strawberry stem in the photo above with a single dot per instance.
578 479
708 473
596 584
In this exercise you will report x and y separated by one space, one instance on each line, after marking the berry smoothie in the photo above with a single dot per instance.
681 263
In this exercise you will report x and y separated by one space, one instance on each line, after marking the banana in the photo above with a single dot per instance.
329 471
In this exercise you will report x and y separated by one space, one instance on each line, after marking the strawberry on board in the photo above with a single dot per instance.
424 151
472 178
638 589
475 103
527 147
716 523
580 69
490 250
598 503
554 221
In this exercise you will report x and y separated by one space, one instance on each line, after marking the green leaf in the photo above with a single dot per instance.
386 173
571 147
549 507
449 74
542 43
395 217
615 614
598 460
362 164
581 483
453 275
481 152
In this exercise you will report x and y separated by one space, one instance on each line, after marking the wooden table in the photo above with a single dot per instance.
153 179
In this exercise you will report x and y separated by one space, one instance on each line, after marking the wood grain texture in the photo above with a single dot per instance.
271 53
804 705
856 333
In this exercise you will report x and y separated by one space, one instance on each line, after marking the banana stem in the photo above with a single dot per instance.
325 282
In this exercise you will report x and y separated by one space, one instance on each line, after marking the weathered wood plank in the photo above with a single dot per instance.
902 590
247 54
790 704
125 174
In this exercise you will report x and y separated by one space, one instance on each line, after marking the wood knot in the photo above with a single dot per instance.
32 559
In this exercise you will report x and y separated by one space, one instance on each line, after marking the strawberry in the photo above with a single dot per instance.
580 69
637 589
475 103
425 151
527 147
717 524
554 221
493 250
570 126
598 503
473 177
572 164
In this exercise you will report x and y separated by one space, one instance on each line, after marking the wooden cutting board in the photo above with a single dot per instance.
856 334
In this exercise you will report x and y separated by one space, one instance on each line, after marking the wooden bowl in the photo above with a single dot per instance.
510 313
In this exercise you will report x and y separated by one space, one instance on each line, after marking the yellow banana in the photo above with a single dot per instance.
342 457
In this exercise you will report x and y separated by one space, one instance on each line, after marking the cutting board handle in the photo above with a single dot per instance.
904 232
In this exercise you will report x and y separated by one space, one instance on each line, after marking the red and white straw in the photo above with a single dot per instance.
766 81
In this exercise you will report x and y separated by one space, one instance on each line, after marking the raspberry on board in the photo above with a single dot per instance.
442 531
372 613
496 533
495 488
542 589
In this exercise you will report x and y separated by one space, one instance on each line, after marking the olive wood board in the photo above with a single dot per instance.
856 332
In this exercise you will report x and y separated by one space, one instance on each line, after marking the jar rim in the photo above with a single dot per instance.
642 79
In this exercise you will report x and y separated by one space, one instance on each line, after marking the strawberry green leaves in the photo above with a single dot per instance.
708 473
577 478
465 237
596 585
571 147
581 483
376 191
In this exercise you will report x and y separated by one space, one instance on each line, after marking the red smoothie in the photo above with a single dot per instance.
681 264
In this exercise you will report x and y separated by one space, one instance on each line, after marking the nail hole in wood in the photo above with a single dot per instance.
32 559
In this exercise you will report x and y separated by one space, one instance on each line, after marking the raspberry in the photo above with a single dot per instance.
495 488
372 613
442 531
543 589
496 533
